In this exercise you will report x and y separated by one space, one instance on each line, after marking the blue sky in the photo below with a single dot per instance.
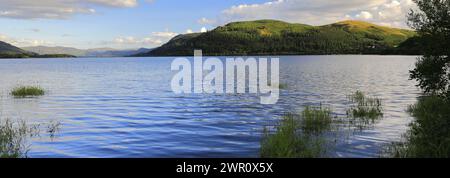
125 24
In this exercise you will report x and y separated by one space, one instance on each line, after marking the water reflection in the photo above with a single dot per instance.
125 108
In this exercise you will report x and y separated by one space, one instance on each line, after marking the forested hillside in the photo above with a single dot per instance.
271 37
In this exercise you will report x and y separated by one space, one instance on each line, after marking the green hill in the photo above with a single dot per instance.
271 37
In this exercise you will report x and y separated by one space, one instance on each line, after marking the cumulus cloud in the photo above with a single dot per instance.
391 13
364 15
56 9
319 12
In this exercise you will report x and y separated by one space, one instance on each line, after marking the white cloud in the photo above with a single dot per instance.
205 21
391 13
364 15
164 34
319 12
3 37
189 31
203 30
56 9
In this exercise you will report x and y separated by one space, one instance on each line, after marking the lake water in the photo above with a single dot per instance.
124 107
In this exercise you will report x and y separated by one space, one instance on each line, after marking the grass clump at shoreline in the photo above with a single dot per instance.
429 134
13 136
298 135
365 110
309 134
316 120
26 91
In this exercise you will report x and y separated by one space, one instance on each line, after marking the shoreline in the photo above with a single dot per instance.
282 55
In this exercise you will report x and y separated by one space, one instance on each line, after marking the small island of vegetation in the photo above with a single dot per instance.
26 91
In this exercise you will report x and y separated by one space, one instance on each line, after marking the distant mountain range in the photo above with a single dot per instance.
272 37
10 51
97 52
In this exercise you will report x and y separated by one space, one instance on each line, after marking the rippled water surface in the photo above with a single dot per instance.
124 107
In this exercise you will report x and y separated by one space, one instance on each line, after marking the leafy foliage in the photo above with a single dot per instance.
432 21
429 136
